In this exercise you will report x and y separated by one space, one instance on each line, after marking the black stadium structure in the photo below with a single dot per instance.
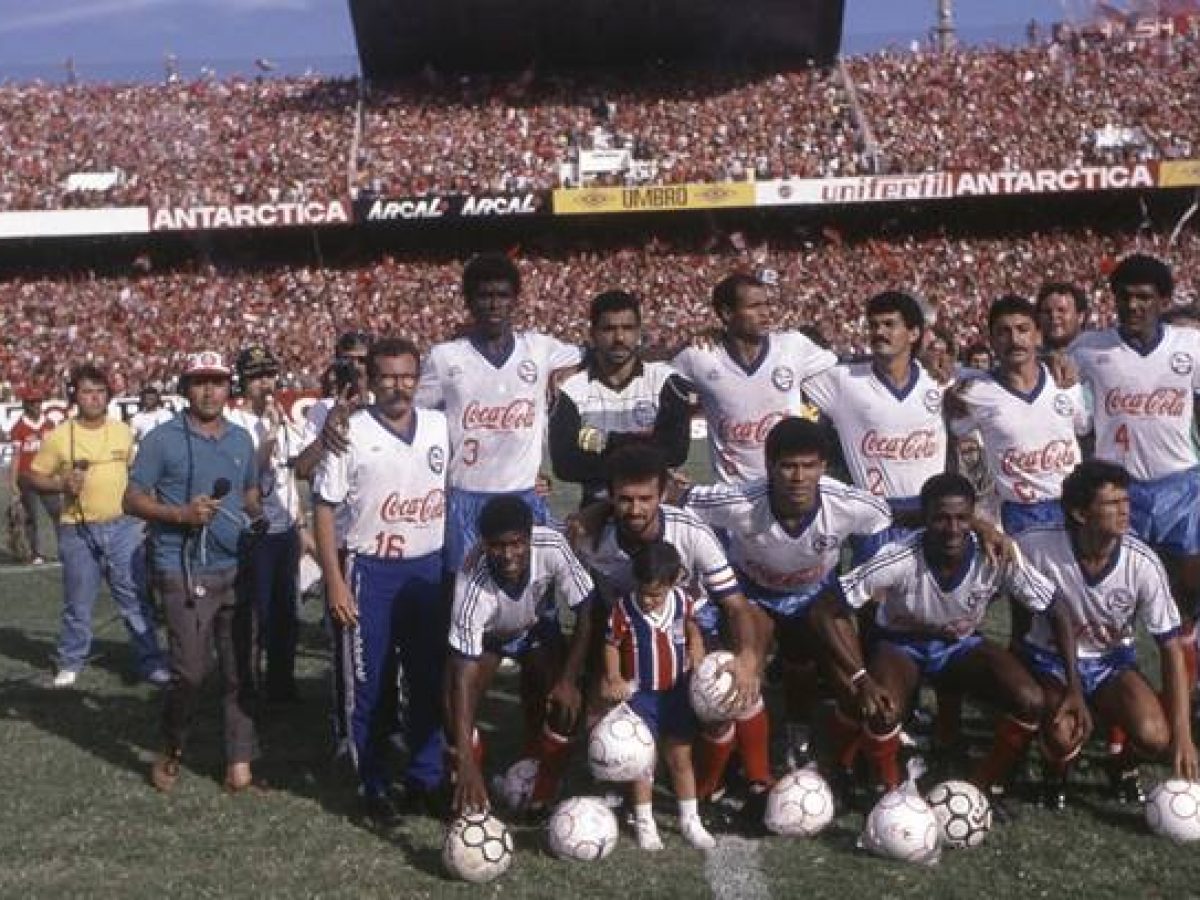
399 37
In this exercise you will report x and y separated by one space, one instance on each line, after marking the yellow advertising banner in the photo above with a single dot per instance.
660 198
1179 173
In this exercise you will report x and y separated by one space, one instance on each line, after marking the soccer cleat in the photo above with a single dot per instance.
843 784
65 679
754 810
159 678
798 746
646 833
1003 811
165 771
696 834
1125 785
379 809
1053 794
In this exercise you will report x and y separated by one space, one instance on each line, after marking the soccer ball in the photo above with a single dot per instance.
710 689
1173 810
902 826
621 747
515 786
964 813
800 804
478 848
582 828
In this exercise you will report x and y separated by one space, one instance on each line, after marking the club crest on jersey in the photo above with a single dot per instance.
826 542
933 400
527 371
644 413
1181 363
1063 405
437 460
978 598
783 378
1121 602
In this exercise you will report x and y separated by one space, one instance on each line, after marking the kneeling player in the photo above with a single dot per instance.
505 605
1107 578
934 589
653 644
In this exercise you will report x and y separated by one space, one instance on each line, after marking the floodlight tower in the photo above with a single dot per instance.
944 38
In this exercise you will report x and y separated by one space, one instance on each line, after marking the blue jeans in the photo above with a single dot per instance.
90 554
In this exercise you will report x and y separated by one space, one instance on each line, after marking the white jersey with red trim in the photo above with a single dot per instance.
740 404
770 555
893 440
392 486
496 408
703 558
1029 440
482 608
912 598
1143 398
1104 611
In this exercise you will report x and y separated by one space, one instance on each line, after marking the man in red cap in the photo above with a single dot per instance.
26 436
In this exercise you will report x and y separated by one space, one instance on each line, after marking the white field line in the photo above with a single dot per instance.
734 871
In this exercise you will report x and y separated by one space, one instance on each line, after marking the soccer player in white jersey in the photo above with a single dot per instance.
1029 426
387 602
271 560
750 379
1107 581
493 385
786 533
637 479
1143 375
151 413
888 409
617 398
933 590
506 603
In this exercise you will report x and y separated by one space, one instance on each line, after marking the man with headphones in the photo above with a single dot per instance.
195 481
270 561
86 461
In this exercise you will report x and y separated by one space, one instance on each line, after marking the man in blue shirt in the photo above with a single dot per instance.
194 480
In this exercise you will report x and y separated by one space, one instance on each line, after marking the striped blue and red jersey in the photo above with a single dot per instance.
653 648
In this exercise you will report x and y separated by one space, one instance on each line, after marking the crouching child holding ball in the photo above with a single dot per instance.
652 645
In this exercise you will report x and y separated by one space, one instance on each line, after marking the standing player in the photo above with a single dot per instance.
387 601
492 384
26 436
1107 580
271 560
786 535
616 399
636 482
933 590
1143 375
1027 424
506 607
751 379
1061 312
151 413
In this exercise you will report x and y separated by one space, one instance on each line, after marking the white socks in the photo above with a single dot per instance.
645 829
692 828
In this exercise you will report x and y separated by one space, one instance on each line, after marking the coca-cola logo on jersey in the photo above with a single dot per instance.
414 510
1056 456
1159 402
921 444
751 433
513 417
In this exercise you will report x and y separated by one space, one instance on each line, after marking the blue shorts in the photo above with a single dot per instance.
1018 517
932 655
1094 673
462 519
1165 512
784 604
667 712
543 632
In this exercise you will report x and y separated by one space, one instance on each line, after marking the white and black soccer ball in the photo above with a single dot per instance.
515 786
478 848
799 805
710 689
621 747
1173 810
582 828
902 826
963 812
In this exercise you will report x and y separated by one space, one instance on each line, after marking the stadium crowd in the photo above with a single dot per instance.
137 322
208 141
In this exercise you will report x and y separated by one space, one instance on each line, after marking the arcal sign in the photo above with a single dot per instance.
251 215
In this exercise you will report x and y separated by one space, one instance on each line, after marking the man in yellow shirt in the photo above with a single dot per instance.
86 460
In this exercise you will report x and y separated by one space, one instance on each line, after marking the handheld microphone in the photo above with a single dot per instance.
220 488
81 465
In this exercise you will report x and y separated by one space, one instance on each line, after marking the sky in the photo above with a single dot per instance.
121 39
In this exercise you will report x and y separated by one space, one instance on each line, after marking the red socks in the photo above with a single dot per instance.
1012 739
883 756
712 755
753 730
553 753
